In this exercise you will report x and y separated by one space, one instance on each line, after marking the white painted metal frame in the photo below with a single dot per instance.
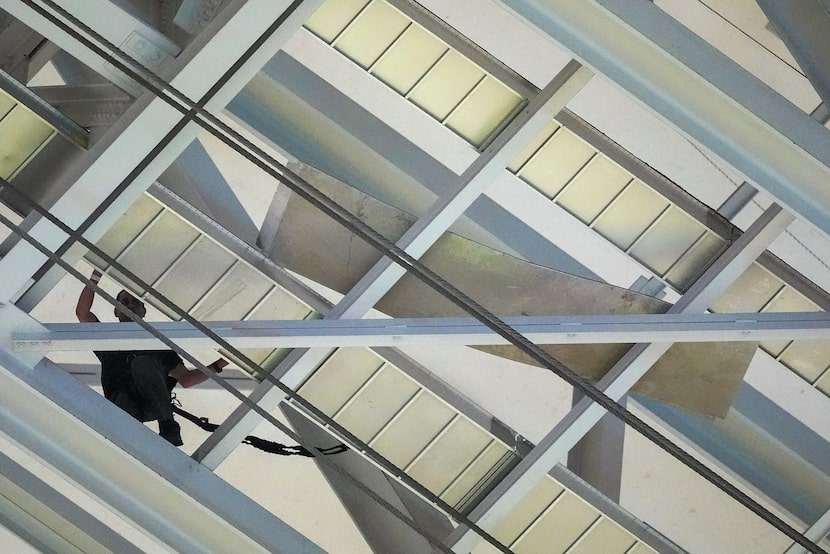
365 294
401 332
147 121
700 91
625 373
48 520
101 449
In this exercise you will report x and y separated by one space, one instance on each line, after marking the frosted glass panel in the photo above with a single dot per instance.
159 247
6 104
606 537
594 188
409 59
749 293
534 145
278 305
445 459
372 33
198 270
557 162
281 305
23 134
332 17
415 428
788 300
240 290
446 85
339 377
808 358
630 214
129 226
823 383
559 528
667 240
695 260
483 110
520 518
375 405
478 472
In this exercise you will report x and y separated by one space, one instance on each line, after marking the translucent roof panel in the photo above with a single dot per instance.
418 65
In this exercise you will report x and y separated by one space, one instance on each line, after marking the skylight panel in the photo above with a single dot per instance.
332 17
593 189
371 33
667 240
386 393
187 280
483 110
416 427
409 59
446 85
30 134
787 300
557 162
631 213
749 293
416 64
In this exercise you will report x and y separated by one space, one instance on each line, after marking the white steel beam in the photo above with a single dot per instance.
816 532
146 123
331 333
617 382
135 37
48 520
699 90
804 27
119 461
417 240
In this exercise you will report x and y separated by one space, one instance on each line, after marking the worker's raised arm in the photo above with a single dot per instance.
83 310
189 377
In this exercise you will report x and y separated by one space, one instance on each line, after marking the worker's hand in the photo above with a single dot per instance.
218 365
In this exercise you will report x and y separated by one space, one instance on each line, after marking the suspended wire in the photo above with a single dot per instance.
328 206
75 236
318 454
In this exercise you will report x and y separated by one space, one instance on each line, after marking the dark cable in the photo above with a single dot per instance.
265 445
411 522
76 236
265 162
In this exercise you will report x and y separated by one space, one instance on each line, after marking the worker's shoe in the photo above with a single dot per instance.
171 432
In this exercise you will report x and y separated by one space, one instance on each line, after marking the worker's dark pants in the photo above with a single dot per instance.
149 397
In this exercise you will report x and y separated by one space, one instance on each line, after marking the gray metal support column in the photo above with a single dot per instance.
598 456
804 26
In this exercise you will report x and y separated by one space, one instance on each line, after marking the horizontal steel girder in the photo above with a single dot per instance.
586 329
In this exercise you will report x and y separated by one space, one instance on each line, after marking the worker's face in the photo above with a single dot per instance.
130 302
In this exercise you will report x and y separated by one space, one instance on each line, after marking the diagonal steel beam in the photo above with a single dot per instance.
804 27
77 432
415 241
45 518
699 90
625 373
130 152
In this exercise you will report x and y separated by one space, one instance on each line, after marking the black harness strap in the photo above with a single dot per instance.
265 445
